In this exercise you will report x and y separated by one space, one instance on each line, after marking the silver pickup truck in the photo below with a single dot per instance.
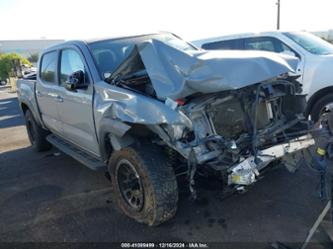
151 108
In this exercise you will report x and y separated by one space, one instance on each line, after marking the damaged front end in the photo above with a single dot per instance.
239 132
232 113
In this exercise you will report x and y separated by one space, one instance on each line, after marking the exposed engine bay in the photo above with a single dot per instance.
231 112
240 132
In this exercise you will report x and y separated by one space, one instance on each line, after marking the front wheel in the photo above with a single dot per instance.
144 184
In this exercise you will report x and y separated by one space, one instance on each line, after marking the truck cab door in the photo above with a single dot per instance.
47 91
76 109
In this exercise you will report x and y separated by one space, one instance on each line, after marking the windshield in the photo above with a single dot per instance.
311 43
109 54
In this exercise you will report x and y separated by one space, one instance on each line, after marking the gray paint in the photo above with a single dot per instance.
174 74
177 74
26 95
119 103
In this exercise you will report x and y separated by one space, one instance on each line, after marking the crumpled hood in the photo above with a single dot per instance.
176 74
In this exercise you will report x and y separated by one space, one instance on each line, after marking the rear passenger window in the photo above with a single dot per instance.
49 67
229 44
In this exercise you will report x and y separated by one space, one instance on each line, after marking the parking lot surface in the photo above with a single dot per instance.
51 197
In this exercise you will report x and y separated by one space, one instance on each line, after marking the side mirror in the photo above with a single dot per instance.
76 81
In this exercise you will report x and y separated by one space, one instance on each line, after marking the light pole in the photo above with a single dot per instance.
278 15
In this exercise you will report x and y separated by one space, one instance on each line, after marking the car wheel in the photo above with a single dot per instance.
322 106
144 184
37 135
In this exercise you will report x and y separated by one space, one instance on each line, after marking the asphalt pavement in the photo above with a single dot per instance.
49 197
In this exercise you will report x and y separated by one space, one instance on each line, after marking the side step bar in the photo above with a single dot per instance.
79 155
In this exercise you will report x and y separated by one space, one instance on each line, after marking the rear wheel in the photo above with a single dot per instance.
37 135
144 184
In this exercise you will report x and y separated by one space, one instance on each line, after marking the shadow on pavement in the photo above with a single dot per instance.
45 197
10 114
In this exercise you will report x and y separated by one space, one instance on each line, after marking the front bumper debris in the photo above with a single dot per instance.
245 172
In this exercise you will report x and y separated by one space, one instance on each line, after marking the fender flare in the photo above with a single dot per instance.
113 132
31 108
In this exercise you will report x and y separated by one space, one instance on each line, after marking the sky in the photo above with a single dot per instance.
190 19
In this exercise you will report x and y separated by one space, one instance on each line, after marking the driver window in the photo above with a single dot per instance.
70 63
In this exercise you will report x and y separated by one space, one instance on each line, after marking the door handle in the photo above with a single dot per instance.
59 98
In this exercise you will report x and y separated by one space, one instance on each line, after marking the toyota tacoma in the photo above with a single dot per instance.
153 107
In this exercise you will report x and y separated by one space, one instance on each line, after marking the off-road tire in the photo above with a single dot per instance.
158 180
319 105
37 135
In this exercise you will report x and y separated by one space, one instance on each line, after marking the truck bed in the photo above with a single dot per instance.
26 93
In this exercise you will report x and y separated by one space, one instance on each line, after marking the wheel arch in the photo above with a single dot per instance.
24 107
116 135
315 97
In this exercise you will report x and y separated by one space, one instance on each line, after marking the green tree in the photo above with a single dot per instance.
7 64
33 58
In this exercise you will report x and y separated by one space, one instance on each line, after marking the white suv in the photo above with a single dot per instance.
315 55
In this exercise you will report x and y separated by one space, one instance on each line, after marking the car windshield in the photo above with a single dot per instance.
109 54
311 43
